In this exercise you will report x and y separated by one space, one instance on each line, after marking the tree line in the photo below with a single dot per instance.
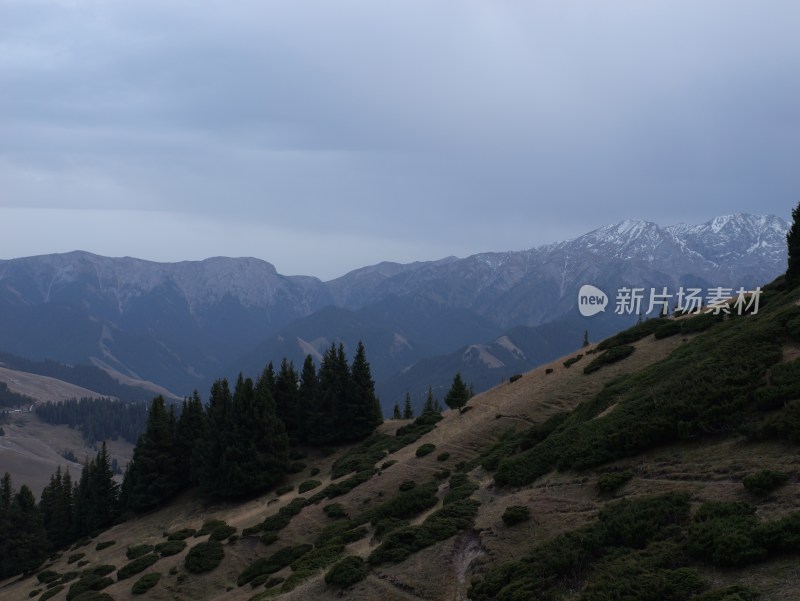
97 419
235 445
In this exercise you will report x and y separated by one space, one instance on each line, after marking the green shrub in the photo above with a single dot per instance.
612 355
93 596
275 562
671 328
47 576
268 538
337 489
35 592
209 526
296 467
334 511
347 572
204 557
699 323
764 482
515 514
572 361
406 485
170 547
138 551
137 565
282 490
75 557
89 582
406 504
443 457
633 334
514 378
612 481
730 593
182 534
104 545
723 534
461 487
308 485
145 583
104 570
314 471
50 593
426 449
222 532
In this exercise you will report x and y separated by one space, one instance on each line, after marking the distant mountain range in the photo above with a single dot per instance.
489 315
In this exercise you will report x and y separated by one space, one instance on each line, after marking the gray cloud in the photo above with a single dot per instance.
463 125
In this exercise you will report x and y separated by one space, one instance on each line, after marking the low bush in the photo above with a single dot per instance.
104 545
204 557
222 532
426 449
308 485
139 564
275 562
268 538
138 551
93 596
612 481
572 361
104 570
282 490
461 487
671 328
764 482
515 514
443 456
145 583
170 547
296 467
548 371
406 485
182 534
75 557
633 334
208 527
334 511
89 582
313 471
47 576
613 355
347 572
50 593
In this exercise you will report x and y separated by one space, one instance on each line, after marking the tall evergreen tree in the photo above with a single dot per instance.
56 508
288 403
257 451
396 412
154 473
793 244
330 412
218 416
363 410
23 539
431 403
408 410
309 398
191 430
458 395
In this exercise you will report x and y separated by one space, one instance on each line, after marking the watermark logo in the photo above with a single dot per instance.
633 301
591 300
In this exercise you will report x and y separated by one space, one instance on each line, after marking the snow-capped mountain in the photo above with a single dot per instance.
182 324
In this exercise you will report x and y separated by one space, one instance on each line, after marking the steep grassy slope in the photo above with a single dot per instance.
679 421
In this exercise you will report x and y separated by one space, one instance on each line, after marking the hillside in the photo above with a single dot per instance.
688 415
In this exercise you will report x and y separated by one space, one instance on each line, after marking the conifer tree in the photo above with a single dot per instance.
288 404
458 395
396 412
330 413
191 430
56 508
256 452
408 410
586 338
218 419
431 403
793 244
27 544
156 471
308 392
363 412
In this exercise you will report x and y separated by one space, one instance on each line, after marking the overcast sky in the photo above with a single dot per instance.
323 136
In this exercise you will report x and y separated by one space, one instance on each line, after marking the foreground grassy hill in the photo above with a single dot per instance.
616 474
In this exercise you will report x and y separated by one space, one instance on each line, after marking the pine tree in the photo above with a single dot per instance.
330 413
408 411
431 403
256 454
396 412
288 404
363 413
793 244
586 338
458 395
23 539
308 392
56 508
218 419
190 432
155 472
